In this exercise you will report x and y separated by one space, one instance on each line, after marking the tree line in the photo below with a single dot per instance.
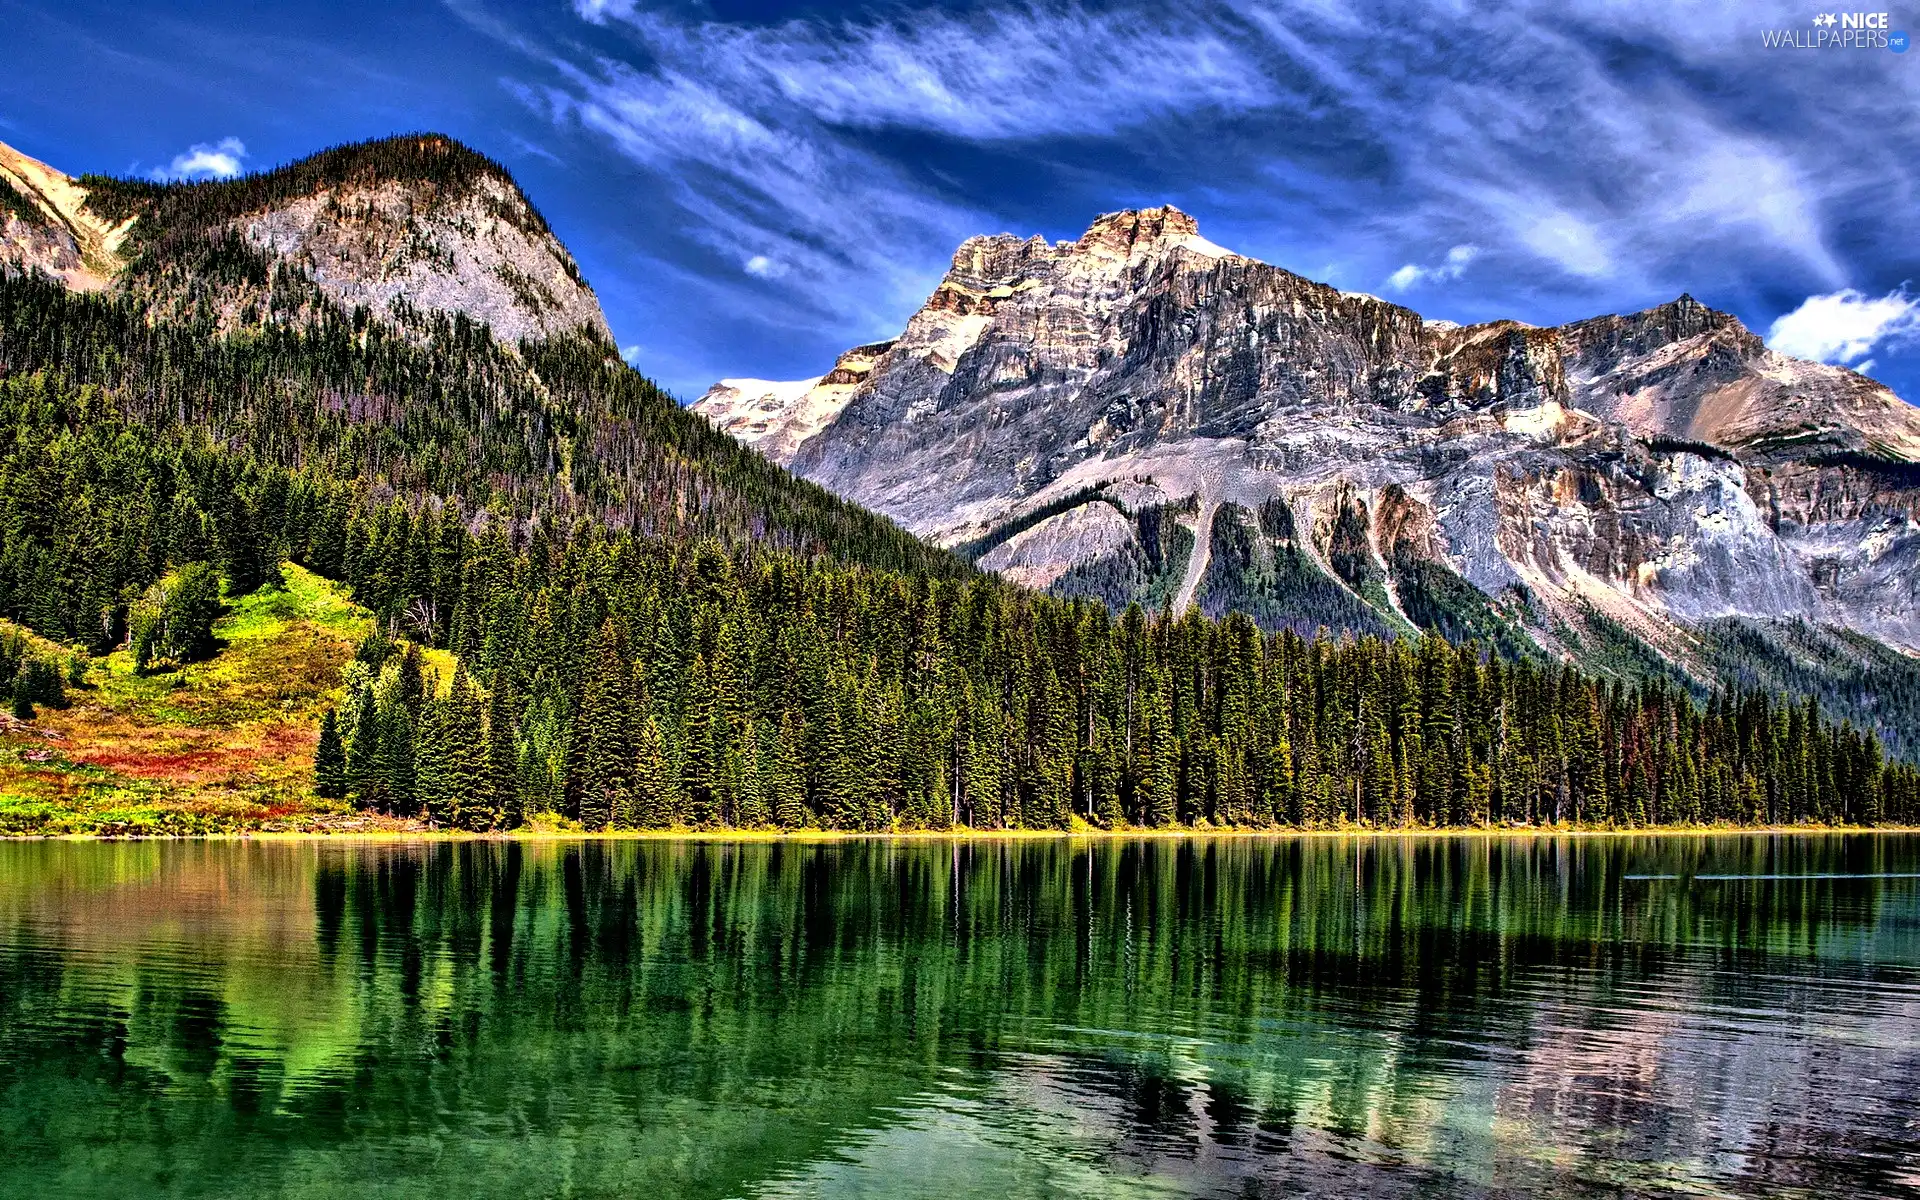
632 683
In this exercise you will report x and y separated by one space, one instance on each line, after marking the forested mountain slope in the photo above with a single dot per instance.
291 355
651 626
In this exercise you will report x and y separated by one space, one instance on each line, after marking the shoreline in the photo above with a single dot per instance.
1088 834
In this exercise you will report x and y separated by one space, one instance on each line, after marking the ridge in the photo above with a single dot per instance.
434 160
403 226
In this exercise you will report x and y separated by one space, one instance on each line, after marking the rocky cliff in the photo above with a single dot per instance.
1140 414
404 226
46 226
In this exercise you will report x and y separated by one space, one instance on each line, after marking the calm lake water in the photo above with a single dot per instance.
1455 1016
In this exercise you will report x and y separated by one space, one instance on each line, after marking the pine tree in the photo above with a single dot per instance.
703 749
363 753
436 763
654 800
754 810
395 766
605 725
330 761
466 753
503 778
786 782
410 684
1158 774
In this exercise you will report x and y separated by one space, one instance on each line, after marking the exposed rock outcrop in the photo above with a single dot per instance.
46 226
1659 469
451 234
475 253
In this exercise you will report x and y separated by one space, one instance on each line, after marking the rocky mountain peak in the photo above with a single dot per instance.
1651 329
404 225
1127 415
1122 231
1138 231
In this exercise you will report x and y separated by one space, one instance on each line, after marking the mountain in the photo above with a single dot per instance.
396 312
1141 414
316 512
419 221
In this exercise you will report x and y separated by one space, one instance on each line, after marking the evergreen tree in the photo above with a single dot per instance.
786 777
436 766
394 768
654 799
330 761
503 774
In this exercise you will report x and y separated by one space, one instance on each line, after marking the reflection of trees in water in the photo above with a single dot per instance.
1303 1012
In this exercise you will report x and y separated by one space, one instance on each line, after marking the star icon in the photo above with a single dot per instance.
1824 19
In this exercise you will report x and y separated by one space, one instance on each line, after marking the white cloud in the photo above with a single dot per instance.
598 11
1846 325
1450 267
764 267
1736 183
206 160
1569 242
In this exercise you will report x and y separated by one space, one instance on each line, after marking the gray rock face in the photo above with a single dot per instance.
474 254
1660 469
31 245
478 250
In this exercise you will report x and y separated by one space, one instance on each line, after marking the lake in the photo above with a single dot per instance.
1447 1016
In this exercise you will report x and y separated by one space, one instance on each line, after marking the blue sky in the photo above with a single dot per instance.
752 188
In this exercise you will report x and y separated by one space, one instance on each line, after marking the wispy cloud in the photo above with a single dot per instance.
1619 148
1577 157
601 11
206 160
1010 73
764 136
764 189
1846 326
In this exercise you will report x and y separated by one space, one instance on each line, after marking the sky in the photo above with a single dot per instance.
752 188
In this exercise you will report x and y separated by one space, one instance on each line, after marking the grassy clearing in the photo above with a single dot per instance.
217 746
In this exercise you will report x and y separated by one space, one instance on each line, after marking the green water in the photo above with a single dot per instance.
1457 1016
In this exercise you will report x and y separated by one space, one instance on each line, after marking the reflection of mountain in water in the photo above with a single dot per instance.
1007 1019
